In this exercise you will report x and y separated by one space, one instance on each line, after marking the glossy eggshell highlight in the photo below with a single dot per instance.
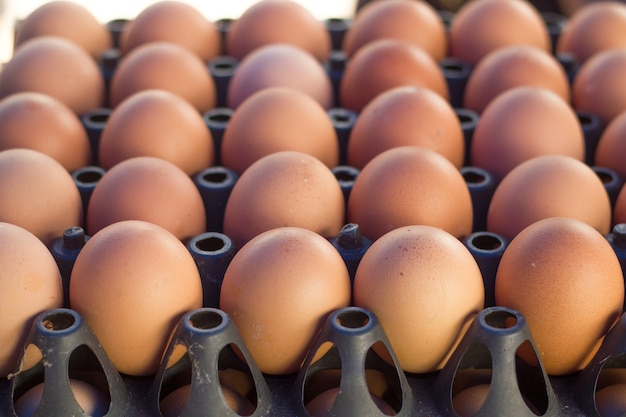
481 26
383 64
548 186
279 289
611 148
278 119
404 116
522 123
40 122
409 185
285 188
277 21
57 67
31 284
150 189
594 27
38 194
280 65
414 21
425 288
167 66
157 123
514 66
177 22
132 281
566 280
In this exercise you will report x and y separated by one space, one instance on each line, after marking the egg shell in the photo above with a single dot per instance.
285 188
177 22
468 402
611 400
280 64
58 131
157 123
425 288
278 289
522 123
150 189
564 277
321 405
409 185
414 21
57 67
174 403
480 26
132 281
268 22
167 66
31 283
278 119
384 64
611 147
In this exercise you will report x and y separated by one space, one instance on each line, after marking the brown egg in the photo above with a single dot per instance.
425 287
599 85
57 67
594 27
150 189
384 64
480 26
619 210
167 66
176 22
93 401
521 123
38 121
31 284
38 194
174 403
132 281
514 66
548 186
280 64
321 405
285 188
405 116
611 148
157 123
468 402
409 185
278 119
277 21
416 22
279 289
611 400
69 20
563 276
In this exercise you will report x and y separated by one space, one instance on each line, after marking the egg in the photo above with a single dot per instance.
611 148
384 64
38 194
409 185
321 405
468 402
279 289
174 403
68 20
57 67
278 119
131 282
425 288
611 400
514 66
563 276
91 400
598 86
40 122
176 22
31 284
480 26
405 116
277 21
285 188
167 66
414 21
548 186
150 189
594 27
619 209
157 123
521 123
280 64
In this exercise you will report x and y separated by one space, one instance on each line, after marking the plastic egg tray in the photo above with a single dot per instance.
487 352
